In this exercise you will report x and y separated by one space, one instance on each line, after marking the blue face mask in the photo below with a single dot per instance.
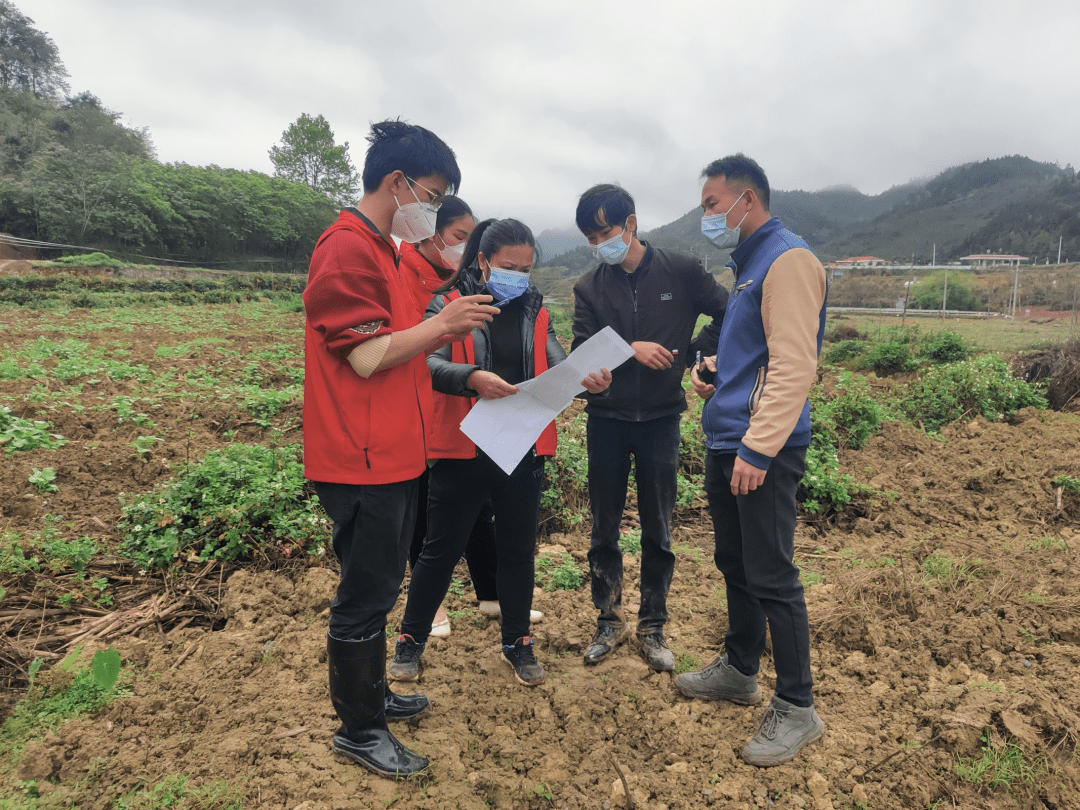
715 229
613 250
506 285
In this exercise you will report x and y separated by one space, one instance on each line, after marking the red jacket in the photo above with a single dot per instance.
446 439
356 430
423 278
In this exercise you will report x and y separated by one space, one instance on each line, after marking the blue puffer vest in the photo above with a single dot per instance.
742 356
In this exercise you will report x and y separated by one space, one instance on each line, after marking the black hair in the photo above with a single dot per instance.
613 201
415 151
451 209
489 237
738 168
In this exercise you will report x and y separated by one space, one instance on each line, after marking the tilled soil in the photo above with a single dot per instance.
945 618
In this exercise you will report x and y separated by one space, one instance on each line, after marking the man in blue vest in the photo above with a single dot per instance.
757 429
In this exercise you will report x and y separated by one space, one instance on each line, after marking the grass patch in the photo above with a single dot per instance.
558 572
1000 765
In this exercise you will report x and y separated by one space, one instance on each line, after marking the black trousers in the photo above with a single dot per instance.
655 447
755 549
480 551
373 525
457 492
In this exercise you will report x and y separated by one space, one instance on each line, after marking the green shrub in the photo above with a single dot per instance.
889 357
962 390
845 420
824 488
853 410
944 347
238 499
564 503
844 350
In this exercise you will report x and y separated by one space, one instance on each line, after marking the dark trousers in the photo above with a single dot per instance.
457 492
479 553
373 525
755 549
655 447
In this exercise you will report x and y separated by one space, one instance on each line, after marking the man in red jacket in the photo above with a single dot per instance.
367 394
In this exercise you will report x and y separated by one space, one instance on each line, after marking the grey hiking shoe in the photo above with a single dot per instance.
406 664
606 639
783 731
720 681
655 651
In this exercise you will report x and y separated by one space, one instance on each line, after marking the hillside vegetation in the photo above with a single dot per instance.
1001 205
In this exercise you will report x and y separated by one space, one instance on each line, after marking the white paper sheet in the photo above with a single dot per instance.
507 428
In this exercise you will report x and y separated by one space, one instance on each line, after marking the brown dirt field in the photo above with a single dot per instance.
942 611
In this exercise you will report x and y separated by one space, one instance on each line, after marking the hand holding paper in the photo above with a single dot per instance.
506 428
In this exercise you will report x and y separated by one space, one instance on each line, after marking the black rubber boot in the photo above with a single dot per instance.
358 692
404 707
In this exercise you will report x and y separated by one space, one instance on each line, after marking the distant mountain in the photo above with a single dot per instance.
556 241
1001 205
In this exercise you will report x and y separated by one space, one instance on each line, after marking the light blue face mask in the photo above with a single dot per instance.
506 285
613 250
715 229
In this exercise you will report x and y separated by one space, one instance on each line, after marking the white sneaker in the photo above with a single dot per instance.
489 607
440 627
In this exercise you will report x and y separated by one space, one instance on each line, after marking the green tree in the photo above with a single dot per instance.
926 294
29 59
308 154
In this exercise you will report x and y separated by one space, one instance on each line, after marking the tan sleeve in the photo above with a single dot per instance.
791 301
366 357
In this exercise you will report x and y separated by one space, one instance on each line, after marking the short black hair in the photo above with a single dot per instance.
614 201
415 151
738 168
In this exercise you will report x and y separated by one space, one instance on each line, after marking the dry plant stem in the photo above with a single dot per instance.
622 778
906 753
183 657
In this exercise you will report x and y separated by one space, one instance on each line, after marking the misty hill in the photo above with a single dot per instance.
1000 205
554 242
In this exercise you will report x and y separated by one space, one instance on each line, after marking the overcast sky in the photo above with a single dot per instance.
542 99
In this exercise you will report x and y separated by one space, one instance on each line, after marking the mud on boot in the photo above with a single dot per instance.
655 651
606 638
406 664
358 692
521 657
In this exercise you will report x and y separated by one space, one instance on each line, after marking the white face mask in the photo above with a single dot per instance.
414 222
452 255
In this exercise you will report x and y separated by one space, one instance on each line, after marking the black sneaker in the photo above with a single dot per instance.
406 664
520 656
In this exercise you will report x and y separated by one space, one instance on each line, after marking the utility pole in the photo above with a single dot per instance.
1059 248
934 260
944 294
1016 284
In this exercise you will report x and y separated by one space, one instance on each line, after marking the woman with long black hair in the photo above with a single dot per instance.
517 345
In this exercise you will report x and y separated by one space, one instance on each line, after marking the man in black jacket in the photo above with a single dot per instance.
652 298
